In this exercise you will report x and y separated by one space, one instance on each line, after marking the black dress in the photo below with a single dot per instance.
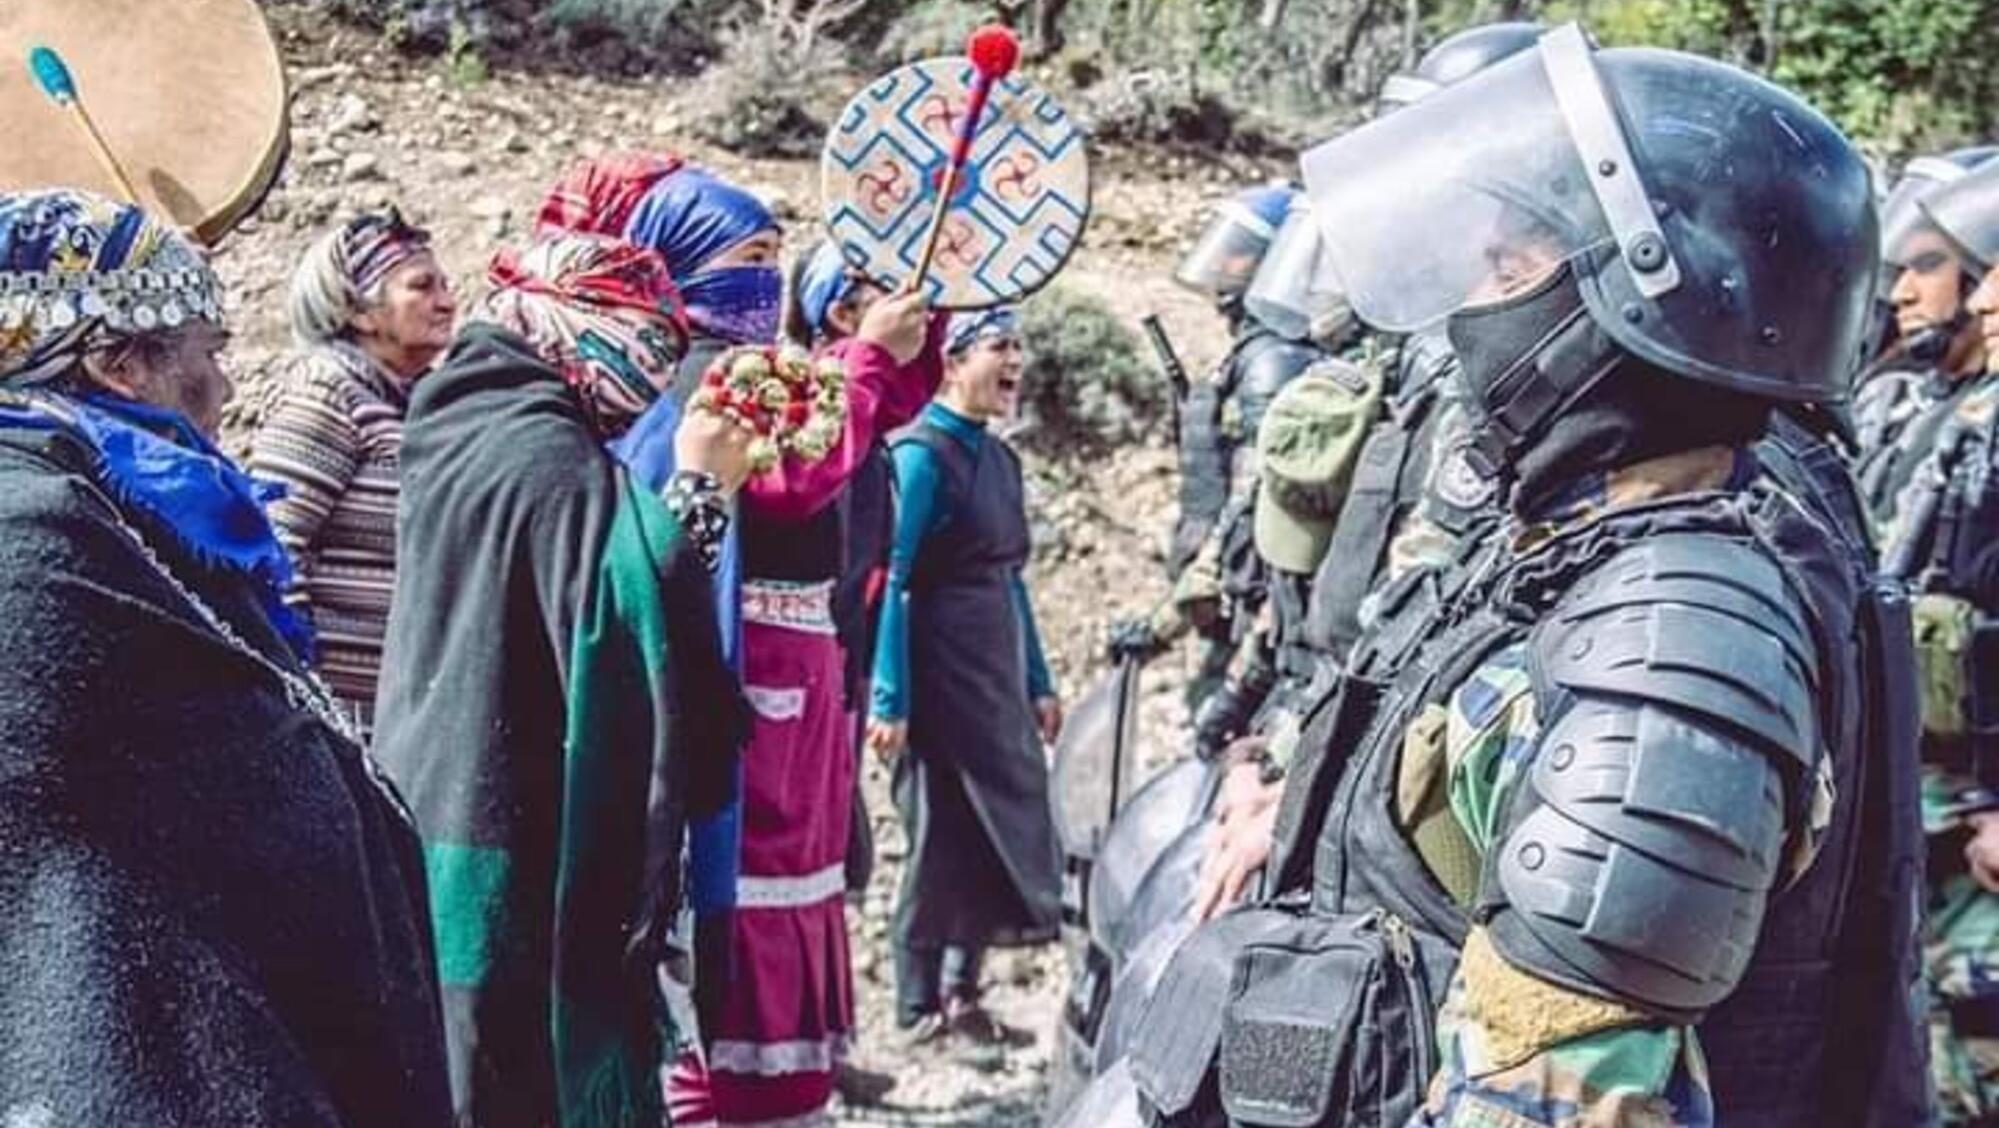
985 869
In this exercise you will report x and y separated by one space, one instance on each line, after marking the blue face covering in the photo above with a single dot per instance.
690 217
738 304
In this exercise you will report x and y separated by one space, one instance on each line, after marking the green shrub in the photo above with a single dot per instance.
765 97
1087 387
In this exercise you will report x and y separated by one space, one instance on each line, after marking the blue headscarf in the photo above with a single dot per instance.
825 282
689 217
971 326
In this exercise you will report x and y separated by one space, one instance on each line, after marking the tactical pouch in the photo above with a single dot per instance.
1173 1051
1982 702
1944 627
1334 1025
1276 1018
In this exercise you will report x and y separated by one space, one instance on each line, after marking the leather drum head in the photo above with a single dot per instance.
189 94
1021 204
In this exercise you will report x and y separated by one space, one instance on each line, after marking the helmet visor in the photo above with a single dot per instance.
1463 198
1293 292
1226 256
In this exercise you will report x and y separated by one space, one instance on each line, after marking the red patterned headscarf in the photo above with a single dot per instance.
602 311
598 196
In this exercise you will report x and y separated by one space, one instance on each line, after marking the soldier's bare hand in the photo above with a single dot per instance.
1982 852
1240 841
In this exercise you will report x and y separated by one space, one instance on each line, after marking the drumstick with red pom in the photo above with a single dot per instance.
993 51
53 76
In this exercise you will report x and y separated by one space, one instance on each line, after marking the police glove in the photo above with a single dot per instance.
1133 639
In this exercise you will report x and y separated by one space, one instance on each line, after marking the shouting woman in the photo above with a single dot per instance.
961 682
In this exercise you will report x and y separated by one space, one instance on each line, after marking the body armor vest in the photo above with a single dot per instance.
1832 951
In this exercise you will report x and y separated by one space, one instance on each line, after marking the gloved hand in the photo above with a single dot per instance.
1134 639
1219 720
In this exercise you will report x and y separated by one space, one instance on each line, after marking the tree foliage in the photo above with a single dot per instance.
1904 75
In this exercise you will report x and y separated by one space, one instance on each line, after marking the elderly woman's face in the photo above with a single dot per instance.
410 326
180 371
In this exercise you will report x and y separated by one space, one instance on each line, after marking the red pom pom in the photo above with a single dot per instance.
993 50
796 413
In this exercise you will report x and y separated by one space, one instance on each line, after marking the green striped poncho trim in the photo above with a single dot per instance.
607 1046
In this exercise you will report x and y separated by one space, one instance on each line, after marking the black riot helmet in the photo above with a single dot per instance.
1607 166
1231 247
1457 58
1967 212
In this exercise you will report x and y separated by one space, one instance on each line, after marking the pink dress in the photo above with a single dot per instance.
789 1012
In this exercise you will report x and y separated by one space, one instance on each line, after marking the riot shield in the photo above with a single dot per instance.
1165 896
1111 1101
1156 816
1090 759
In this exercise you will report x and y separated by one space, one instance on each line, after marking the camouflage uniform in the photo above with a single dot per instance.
1961 942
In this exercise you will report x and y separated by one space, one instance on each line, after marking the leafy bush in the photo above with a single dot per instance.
768 98
1087 388
928 29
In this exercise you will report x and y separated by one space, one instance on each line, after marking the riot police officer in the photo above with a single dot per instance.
1926 280
1219 586
1585 755
1414 497
1940 512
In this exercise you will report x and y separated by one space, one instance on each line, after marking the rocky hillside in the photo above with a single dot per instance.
470 156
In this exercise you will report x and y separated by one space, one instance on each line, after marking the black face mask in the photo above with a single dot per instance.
1524 360
1929 344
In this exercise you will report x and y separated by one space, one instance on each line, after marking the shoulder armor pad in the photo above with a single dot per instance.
1701 623
1639 864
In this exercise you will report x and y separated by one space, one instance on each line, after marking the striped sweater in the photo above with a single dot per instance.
334 440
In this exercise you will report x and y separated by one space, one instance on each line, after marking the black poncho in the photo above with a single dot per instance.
210 911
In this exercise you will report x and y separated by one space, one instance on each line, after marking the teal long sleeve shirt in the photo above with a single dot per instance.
921 508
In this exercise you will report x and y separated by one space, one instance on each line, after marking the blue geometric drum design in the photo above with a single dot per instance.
1022 201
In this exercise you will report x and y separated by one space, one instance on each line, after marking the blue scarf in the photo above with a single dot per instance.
968 328
825 282
689 217
153 460
741 305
